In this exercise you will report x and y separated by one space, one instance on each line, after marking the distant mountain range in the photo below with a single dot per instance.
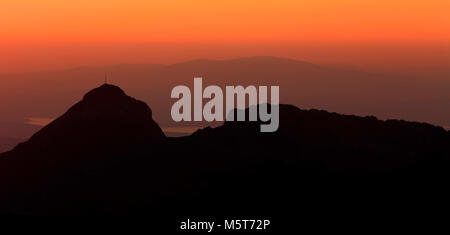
47 94
107 156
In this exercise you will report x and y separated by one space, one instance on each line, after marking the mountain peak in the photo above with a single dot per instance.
106 118
104 91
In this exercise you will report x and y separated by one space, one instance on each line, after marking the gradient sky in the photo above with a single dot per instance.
35 31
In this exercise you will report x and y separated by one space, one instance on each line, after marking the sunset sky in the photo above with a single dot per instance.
46 34
389 38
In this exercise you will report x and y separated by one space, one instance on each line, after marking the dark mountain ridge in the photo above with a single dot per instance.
106 156
301 84
105 116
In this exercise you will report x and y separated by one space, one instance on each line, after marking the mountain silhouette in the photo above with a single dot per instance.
105 120
302 84
90 137
106 156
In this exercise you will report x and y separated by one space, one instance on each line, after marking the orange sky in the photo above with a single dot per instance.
28 26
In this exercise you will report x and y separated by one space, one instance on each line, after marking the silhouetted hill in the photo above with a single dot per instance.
359 142
106 119
90 138
301 83
106 156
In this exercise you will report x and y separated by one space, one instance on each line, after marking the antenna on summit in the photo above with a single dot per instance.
106 79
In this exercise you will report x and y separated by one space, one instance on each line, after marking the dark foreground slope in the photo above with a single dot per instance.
107 156
319 163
